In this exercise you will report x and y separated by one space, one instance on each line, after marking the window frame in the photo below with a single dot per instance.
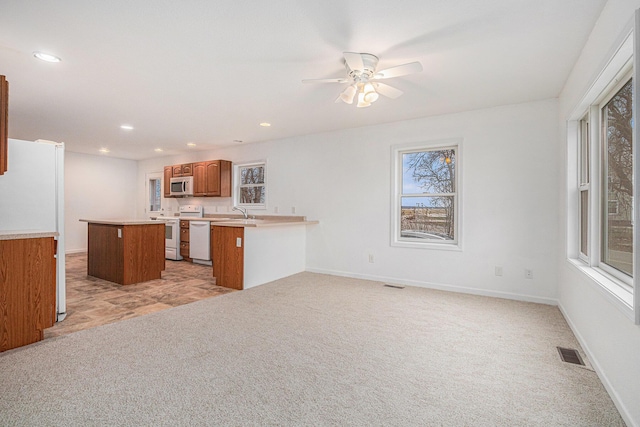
397 152
623 295
153 176
236 193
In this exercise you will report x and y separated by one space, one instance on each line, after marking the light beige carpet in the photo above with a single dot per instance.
315 350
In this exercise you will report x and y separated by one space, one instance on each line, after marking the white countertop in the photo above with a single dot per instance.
26 234
260 223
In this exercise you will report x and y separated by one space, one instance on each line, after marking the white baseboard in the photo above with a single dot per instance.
440 286
624 413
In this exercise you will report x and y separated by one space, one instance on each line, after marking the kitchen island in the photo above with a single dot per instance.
251 252
125 251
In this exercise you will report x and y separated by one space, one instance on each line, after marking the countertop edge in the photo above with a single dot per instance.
122 221
26 234
263 224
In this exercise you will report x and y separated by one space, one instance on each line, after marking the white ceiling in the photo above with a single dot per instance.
209 72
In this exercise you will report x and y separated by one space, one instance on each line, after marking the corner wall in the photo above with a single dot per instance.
610 339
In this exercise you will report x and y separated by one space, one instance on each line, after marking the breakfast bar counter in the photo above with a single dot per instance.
125 251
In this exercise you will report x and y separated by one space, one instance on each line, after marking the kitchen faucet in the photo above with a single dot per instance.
243 210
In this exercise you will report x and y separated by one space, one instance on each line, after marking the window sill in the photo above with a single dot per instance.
437 246
612 290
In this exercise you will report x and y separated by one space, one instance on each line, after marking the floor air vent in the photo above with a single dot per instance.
570 355
393 286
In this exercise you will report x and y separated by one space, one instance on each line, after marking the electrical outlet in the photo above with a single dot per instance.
498 271
293 209
528 274
275 209
371 258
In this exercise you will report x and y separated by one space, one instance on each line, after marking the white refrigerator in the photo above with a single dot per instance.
32 197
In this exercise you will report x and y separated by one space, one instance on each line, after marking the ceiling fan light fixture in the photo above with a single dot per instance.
348 94
370 94
361 101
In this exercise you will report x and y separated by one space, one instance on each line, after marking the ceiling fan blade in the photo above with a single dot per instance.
325 81
399 70
353 60
388 91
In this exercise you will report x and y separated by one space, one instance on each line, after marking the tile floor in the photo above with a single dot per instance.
93 302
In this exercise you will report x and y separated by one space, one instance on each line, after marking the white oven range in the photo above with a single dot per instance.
172 238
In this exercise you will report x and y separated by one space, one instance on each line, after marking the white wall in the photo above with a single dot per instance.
96 187
611 340
343 180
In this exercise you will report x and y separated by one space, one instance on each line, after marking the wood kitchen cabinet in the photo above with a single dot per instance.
168 174
27 290
184 240
183 170
4 123
126 252
212 178
227 254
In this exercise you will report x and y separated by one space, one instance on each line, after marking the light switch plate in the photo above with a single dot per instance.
239 242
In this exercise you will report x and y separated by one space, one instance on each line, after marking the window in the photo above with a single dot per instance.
617 172
605 190
154 192
426 191
251 189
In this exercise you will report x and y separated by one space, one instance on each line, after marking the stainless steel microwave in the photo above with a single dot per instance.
181 186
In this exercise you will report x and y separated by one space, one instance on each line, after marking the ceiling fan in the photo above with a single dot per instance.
362 78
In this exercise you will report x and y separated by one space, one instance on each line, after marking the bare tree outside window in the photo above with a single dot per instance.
617 239
428 195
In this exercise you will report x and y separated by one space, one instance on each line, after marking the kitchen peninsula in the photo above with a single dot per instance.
125 251
251 252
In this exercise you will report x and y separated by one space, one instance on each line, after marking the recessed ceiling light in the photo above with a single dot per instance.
104 150
126 127
158 150
46 57
191 144
265 124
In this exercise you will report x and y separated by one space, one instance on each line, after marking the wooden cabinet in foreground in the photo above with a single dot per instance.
27 290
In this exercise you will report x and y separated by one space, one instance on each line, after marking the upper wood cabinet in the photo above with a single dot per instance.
183 170
4 123
211 178
219 178
168 174
199 179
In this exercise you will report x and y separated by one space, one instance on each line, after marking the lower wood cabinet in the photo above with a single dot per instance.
27 290
126 254
184 239
227 254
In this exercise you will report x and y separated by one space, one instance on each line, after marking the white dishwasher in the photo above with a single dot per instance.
200 241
